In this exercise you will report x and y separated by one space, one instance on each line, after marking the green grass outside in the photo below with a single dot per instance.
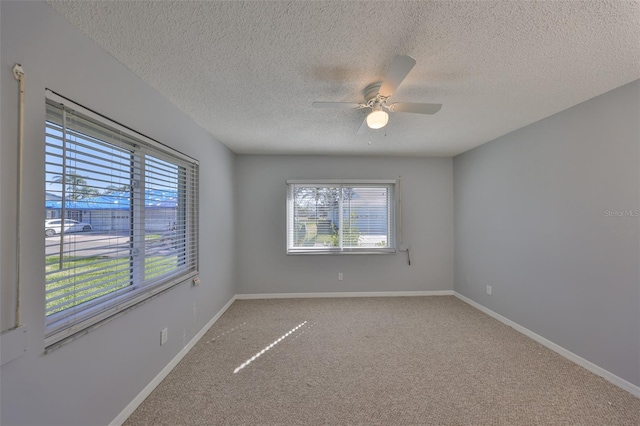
110 274
327 240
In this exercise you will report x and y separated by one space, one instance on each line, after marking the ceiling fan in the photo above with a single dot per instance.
376 96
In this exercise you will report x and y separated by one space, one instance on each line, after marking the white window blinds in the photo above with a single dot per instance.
121 219
340 217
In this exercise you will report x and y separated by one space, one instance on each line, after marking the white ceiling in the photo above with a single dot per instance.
248 71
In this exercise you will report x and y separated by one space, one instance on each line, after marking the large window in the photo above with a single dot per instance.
121 218
333 217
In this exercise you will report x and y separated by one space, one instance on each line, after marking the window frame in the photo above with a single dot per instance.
62 326
392 220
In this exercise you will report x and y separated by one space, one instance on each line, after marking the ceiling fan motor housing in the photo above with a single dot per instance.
371 91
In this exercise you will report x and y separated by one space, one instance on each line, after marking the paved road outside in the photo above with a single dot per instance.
89 244
96 243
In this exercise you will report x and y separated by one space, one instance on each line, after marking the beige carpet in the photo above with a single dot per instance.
377 361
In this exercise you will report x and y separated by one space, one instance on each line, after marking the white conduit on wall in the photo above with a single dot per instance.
399 218
401 245
18 73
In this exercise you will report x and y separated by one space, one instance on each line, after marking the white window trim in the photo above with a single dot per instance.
332 251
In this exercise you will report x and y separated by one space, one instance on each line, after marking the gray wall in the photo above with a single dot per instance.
263 266
536 218
90 380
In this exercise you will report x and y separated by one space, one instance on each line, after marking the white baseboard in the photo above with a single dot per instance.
131 407
344 294
607 375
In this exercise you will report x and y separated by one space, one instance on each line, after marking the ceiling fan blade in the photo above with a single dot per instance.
400 67
415 108
363 128
341 105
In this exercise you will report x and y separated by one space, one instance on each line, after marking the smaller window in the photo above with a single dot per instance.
340 217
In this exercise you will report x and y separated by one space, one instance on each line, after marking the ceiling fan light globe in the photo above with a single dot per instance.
377 119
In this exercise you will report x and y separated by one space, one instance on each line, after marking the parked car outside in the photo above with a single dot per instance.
54 226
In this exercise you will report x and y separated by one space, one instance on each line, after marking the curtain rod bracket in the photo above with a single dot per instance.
18 71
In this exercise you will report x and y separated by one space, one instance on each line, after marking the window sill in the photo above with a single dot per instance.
340 252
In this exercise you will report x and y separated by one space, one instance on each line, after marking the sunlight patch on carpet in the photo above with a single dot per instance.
275 342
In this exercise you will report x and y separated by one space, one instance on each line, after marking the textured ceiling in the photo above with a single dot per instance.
248 71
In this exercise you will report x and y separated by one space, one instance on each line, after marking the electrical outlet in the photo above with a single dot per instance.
340 276
164 335
489 290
